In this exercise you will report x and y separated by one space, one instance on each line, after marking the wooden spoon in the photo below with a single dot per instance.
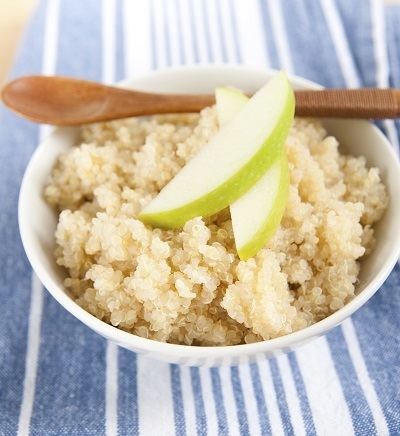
66 101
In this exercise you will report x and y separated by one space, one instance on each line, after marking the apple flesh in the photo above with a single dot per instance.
231 163
257 214
229 101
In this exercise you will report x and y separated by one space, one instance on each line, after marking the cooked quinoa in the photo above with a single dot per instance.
188 286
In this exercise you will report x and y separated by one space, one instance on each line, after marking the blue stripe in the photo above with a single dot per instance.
232 15
377 326
361 415
281 397
219 402
361 44
176 388
206 26
201 421
265 426
128 407
18 139
355 23
193 32
305 48
152 36
178 14
70 385
80 56
221 32
392 17
302 394
239 401
268 44
167 42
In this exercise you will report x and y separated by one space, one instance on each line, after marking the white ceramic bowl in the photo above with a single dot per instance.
38 221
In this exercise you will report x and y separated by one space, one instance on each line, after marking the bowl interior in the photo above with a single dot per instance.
38 220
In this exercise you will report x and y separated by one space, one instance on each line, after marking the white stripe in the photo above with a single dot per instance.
171 17
227 31
32 354
291 395
328 405
108 75
209 402
136 37
214 32
341 44
382 62
249 399
108 41
35 314
159 33
156 413
111 389
199 30
254 49
363 377
274 415
278 30
186 31
180 32
378 36
51 38
229 400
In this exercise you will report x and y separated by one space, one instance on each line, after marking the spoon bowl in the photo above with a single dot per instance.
65 101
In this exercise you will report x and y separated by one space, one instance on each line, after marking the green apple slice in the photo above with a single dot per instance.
229 101
231 163
257 214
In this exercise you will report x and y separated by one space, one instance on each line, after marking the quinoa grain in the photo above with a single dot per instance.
188 286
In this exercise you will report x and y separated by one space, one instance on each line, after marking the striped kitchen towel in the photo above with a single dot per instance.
59 378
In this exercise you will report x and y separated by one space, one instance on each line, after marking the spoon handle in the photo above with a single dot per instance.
336 103
349 103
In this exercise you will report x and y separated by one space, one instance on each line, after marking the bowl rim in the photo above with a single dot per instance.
141 344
